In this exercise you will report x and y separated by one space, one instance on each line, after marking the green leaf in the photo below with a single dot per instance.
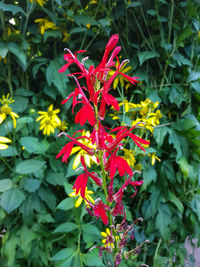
65 227
71 171
11 199
90 229
159 134
149 175
78 30
20 104
185 33
9 152
53 76
176 96
29 166
181 60
63 254
176 202
31 185
55 178
5 184
54 34
47 196
194 75
84 20
184 166
195 205
163 221
92 259
143 56
176 141
33 145
3 50
15 49
11 8
66 204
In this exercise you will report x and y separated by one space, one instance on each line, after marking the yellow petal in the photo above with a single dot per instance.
3 146
77 161
78 202
4 139
104 235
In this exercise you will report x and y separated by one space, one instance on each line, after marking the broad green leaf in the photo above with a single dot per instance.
194 75
54 34
149 175
31 185
9 152
16 50
29 166
66 204
176 141
45 218
65 227
176 201
91 229
184 166
92 259
47 196
58 79
11 199
5 184
84 20
163 221
195 205
20 104
68 262
143 56
3 50
185 33
71 171
63 254
33 145
78 30
14 9
55 178
176 96
159 134
9 249
181 60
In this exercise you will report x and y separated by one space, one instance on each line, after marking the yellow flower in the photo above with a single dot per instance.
156 116
128 105
40 2
45 24
80 199
49 120
120 78
2 141
153 158
88 159
108 240
66 36
6 110
63 126
129 157
88 25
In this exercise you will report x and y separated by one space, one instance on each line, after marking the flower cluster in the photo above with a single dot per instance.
102 145
7 110
49 121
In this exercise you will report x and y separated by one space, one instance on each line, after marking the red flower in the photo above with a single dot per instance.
100 211
80 184
117 162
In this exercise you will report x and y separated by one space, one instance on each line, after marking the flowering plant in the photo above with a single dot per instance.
103 146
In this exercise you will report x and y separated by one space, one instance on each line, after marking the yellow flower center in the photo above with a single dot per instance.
6 109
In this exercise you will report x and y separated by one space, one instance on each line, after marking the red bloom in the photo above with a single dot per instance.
117 162
80 184
66 150
100 211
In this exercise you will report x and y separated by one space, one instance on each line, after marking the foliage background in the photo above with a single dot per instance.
161 39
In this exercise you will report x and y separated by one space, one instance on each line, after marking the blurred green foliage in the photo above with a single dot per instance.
162 41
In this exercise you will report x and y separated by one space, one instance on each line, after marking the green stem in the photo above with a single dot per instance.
157 248
5 162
